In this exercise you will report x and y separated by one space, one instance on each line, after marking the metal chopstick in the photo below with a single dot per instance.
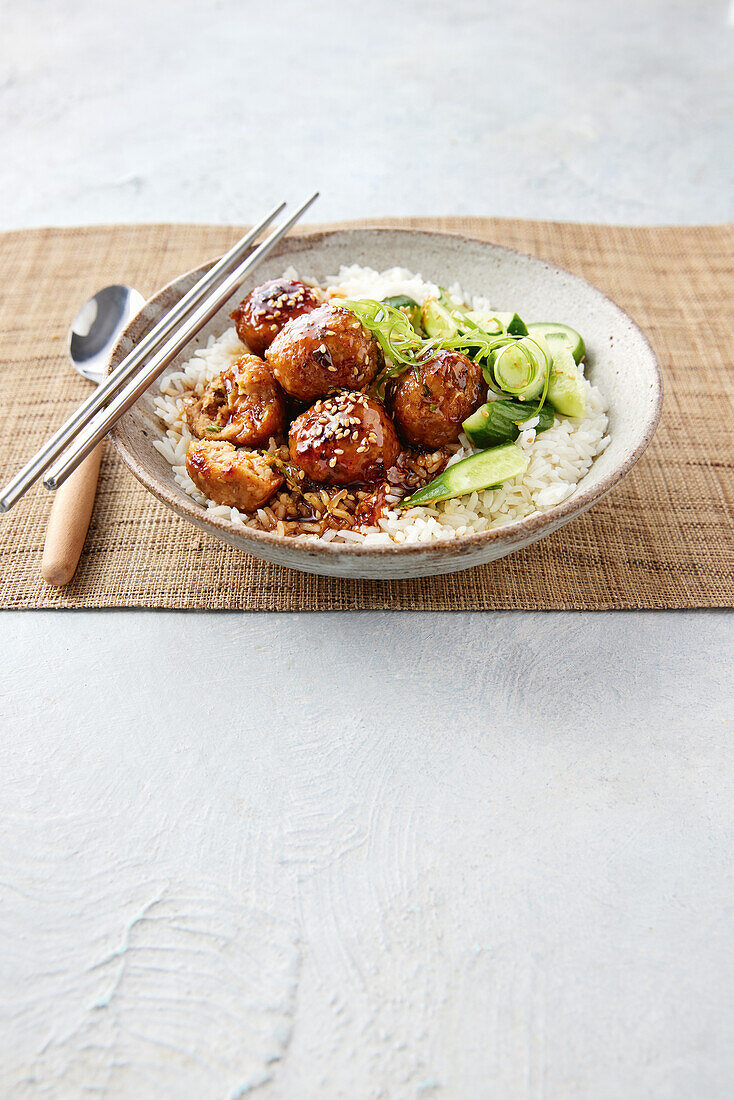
30 473
88 439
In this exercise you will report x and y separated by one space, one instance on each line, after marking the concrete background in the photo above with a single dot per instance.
570 109
396 855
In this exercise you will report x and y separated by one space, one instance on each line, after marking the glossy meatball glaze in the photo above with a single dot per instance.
237 478
268 308
429 405
346 439
244 405
323 351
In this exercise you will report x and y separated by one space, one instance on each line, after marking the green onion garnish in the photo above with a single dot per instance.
403 347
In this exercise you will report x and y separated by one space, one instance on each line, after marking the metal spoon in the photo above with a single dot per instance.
92 336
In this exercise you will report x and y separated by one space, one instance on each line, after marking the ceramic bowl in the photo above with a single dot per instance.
620 362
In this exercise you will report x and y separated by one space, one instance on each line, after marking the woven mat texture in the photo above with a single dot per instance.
662 539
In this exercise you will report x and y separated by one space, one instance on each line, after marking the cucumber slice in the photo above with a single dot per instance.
490 322
510 322
501 421
437 320
479 471
519 369
559 336
513 324
566 390
408 306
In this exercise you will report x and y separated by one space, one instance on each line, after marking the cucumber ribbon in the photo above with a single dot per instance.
514 365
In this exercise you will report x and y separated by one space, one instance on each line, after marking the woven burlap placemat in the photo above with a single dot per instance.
662 539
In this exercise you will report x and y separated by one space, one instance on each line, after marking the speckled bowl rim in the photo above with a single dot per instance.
518 530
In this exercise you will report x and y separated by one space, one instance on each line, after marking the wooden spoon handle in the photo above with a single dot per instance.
69 520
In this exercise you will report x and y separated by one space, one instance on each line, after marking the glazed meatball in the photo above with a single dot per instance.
429 405
323 351
239 479
346 439
243 405
268 308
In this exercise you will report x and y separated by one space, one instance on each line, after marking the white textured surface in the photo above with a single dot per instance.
524 891
532 108
416 855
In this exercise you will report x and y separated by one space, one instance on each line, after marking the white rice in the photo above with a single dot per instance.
557 458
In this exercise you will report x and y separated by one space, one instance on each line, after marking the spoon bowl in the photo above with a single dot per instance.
97 326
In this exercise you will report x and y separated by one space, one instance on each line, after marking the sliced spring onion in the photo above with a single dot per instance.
408 306
522 373
392 329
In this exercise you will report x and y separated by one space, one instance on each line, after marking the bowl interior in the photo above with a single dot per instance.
620 362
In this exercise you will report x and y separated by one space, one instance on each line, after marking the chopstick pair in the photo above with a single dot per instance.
88 425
